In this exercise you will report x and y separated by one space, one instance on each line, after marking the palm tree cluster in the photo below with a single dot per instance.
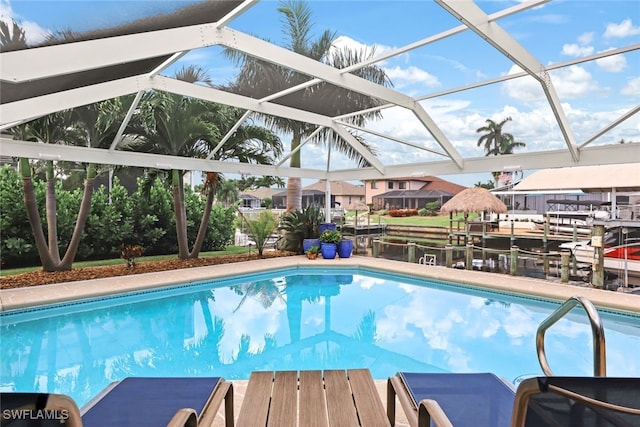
175 125
165 124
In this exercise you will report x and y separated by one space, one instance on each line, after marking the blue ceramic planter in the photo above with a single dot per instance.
344 248
329 250
326 226
307 243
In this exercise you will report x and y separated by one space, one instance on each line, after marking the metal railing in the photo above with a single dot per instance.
597 329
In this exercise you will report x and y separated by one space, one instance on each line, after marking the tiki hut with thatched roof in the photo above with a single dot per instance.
475 199
471 200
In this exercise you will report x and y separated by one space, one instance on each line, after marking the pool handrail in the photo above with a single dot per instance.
597 329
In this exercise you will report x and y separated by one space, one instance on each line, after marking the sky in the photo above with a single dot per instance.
593 94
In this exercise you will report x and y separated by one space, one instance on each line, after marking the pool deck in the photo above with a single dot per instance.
12 299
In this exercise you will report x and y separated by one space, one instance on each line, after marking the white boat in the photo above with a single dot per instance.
621 250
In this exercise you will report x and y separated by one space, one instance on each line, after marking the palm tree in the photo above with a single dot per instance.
227 192
179 126
260 229
93 126
48 129
12 39
258 79
496 142
253 182
489 185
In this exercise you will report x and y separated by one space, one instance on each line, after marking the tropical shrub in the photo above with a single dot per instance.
125 219
17 246
403 212
153 219
299 225
108 224
261 229
433 208
220 230
131 253
331 236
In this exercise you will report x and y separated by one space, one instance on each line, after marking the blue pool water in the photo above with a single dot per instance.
299 319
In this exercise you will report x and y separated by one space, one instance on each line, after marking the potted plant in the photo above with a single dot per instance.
345 246
301 229
312 252
309 242
329 240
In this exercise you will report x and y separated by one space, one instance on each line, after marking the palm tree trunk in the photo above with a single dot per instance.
83 214
294 184
204 223
294 194
181 215
52 214
33 215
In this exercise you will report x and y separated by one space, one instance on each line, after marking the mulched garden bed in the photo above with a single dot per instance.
37 278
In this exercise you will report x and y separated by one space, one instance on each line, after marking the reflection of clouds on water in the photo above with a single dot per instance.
367 282
488 327
519 323
427 321
459 360
313 320
408 288
251 319
392 327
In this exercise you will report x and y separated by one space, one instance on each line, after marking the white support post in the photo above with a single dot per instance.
327 199
614 205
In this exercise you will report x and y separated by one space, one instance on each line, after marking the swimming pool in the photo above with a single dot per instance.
311 318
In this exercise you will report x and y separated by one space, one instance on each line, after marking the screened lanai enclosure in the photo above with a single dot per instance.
569 84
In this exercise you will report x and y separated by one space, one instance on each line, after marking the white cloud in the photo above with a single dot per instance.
573 82
613 64
569 82
582 48
33 32
585 38
5 10
632 88
344 42
576 50
525 89
400 76
411 75
621 30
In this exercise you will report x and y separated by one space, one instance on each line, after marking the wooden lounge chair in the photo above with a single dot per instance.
41 409
159 402
484 400
312 399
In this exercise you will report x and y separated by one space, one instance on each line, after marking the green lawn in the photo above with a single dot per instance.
427 221
231 250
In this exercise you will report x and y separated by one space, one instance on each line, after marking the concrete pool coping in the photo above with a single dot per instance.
21 298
